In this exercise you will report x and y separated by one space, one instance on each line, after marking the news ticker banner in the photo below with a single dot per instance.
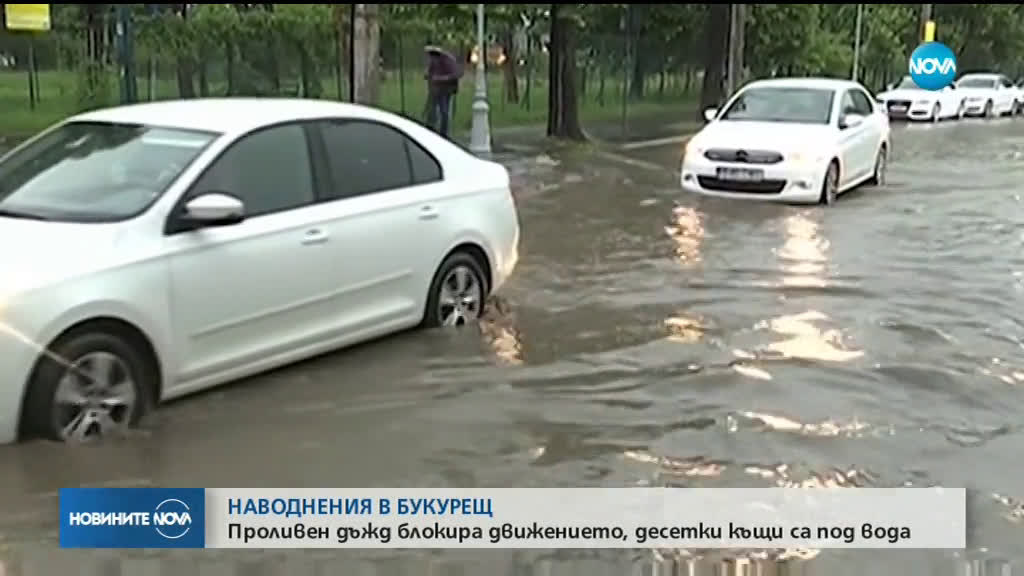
933 518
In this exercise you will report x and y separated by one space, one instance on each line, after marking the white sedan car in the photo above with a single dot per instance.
155 250
907 101
794 140
988 95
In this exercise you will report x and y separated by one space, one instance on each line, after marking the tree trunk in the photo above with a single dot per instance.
229 66
341 49
367 49
510 68
715 53
661 83
563 109
186 89
204 84
639 72
600 87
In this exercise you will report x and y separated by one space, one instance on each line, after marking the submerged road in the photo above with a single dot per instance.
648 338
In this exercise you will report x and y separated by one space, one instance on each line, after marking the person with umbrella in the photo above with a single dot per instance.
443 74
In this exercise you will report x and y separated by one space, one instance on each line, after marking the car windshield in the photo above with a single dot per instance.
95 172
782 104
976 83
908 84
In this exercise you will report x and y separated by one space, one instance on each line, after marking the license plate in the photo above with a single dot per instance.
740 174
899 109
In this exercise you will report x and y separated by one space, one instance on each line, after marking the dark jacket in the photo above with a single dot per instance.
443 73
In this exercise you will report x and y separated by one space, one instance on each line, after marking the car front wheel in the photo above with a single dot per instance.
881 165
88 386
830 185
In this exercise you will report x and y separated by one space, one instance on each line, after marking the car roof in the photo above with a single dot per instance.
228 115
982 75
818 83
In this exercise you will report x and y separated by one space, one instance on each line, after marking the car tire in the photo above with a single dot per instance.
988 110
960 111
936 111
458 292
830 185
87 386
881 165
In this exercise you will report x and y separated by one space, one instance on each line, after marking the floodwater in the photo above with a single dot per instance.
648 338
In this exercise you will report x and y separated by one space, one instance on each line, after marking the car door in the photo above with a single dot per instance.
874 126
852 140
249 292
1006 95
383 209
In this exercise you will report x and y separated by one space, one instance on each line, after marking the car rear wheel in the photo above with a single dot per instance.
830 186
458 293
88 386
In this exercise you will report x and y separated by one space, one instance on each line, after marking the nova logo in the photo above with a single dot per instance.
172 519
933 66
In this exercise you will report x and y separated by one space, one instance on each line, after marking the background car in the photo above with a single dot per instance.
988 95
155 250
906 101
799 140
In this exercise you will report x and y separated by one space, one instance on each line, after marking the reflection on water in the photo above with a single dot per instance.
684 330
808 342
688 233
803 255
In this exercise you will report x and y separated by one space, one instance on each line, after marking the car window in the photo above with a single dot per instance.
975 82
366 157
424 168
781 104
908 84
846 104
96 171
862 103
268 170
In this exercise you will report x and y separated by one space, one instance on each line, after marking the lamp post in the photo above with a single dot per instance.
480 137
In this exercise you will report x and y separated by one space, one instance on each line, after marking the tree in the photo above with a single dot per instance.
563 108
367 53
715 38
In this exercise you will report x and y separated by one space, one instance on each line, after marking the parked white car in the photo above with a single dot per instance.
155 250
799 140
988 95
907 101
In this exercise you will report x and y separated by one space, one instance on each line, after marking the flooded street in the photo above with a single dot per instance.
647 338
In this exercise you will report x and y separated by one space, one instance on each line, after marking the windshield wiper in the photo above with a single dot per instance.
7 213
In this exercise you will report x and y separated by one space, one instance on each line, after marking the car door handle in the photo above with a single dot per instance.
314 236
428 213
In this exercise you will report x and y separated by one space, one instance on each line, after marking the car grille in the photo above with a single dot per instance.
762 187
743 156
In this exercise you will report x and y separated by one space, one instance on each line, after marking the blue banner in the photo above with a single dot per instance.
132 518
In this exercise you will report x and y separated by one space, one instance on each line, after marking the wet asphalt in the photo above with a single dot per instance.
647 338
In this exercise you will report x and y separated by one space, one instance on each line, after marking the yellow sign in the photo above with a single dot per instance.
929 31
34 17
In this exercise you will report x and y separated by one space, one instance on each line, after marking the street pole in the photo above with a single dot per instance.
926 17
480 137
856 41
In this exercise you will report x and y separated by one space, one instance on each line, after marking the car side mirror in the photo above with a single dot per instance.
710 114
213 209
850 121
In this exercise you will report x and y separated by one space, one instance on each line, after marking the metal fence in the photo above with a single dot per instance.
306 53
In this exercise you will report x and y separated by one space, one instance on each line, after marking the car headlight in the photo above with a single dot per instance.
804 158
692 148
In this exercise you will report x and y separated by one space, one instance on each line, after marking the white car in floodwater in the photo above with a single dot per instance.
797 140
987 95
155 250
907 101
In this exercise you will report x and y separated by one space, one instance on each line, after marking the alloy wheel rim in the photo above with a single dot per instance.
95 397
461 297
